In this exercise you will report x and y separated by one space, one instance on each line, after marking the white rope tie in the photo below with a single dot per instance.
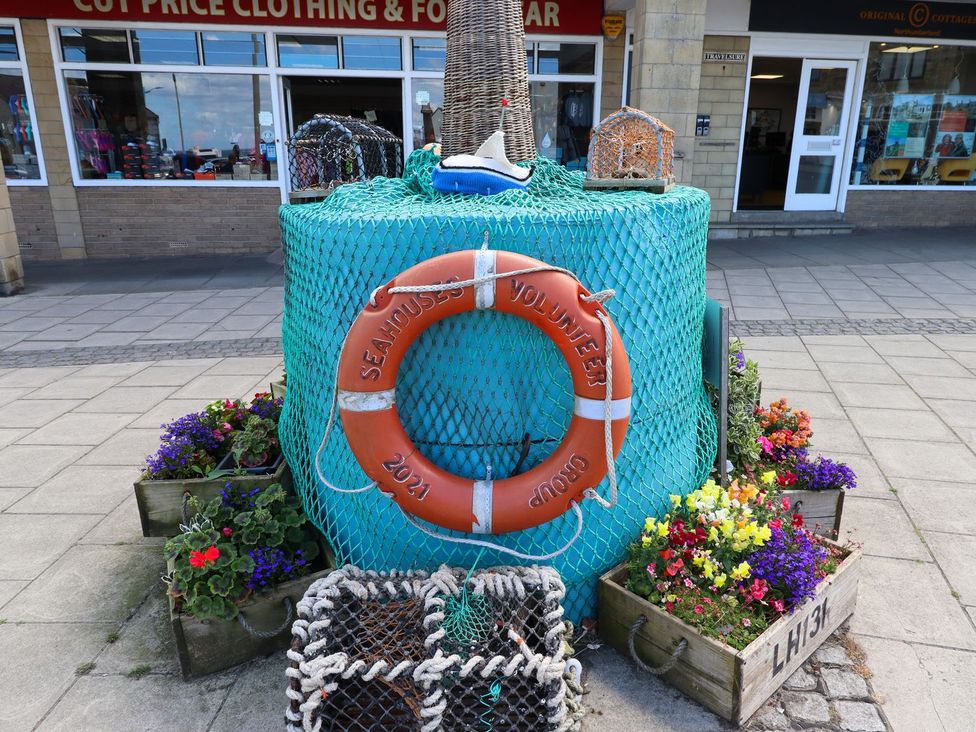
601 297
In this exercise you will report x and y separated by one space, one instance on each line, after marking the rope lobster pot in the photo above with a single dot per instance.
374 651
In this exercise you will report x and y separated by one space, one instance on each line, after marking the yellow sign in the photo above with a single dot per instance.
613 26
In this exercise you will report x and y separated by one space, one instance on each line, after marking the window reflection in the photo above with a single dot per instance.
562 115
97 45
315 52
428 111
164 47
228 48
18 145
159 125
370 52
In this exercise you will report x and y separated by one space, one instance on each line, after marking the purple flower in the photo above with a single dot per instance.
788 562
823 474
740 361
271 566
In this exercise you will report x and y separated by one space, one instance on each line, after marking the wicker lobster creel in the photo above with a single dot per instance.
373 652
485 63
630 148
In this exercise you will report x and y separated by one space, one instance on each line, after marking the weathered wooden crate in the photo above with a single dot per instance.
733 684
207 646
161 502
821 510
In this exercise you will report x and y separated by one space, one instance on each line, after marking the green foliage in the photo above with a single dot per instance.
85 669
743 427
255 443
139 671
240 543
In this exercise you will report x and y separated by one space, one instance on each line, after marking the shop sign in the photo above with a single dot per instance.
725 57
613 26
879 18
570 17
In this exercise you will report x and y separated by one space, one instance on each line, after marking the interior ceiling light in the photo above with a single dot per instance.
766 76
908 49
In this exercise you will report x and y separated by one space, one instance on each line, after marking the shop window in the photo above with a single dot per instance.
8 44
18 143
428 111
429 54
95 45
917 120
311 52
530 57
229 48
565 58
164 47
371 52
171 126
562 116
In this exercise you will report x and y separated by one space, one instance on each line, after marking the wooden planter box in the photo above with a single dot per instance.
207 646
821 510
279 388
161 501
733 684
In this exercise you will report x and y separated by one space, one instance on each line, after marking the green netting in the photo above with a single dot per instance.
474 385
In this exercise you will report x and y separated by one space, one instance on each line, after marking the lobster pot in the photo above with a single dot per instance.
380 652
631 144
484 390
330 150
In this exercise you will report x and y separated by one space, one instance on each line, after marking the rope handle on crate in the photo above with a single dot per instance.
250 630
185 507
656 670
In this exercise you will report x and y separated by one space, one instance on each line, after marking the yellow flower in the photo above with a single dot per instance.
676 501
713 534
742 571
727 527
662 528
768 477
762 536
649 525
709 570
721 579
646 540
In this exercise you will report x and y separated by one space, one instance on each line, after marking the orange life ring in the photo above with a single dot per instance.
380 338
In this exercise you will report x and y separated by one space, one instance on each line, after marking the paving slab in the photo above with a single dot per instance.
80 489
215 386
167 411
77 429
129 447
30 465
146 639
35 412
9 588
8 436
257 699
924 460
245 366
919 685
936 387
883 528
127 399
30 544
97 702
928 366
884 612
897 423
121 526
165 375
830 435
891 396
935 506
90 584
776 382
39 667
9 496
955 554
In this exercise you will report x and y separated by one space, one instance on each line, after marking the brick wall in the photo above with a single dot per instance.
721 95
614 59
35 222
147 221
893 209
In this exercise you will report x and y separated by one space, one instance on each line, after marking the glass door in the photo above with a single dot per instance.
820 135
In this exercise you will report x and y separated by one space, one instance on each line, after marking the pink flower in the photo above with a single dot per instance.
651 569
227 428
228 531
778 606
688 582
786 503
746 622
767 446
699 610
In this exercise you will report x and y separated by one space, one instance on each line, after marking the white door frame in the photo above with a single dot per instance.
789 45
832 146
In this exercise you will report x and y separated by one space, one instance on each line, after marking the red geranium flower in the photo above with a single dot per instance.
775 524
797 521
201 559
787 478
675 567
699 609
666 553
778 606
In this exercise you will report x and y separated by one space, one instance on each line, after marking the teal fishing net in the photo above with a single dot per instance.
473 386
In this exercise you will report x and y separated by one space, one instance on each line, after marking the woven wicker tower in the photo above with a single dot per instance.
486 63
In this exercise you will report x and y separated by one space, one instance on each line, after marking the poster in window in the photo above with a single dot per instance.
957 127
908 125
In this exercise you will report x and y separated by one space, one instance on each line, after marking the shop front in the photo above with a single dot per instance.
857 112
138 100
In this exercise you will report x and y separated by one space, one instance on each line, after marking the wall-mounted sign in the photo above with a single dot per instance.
866 18
541 16
725 57
613 26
